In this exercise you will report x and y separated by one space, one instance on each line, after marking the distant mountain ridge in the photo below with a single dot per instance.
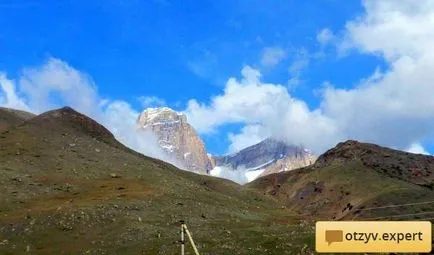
267 157
268 150
179 140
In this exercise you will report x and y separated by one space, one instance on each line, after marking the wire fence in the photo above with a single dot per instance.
184 229
327 214
400 215
394 206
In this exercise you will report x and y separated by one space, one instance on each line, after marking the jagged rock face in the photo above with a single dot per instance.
267 157
177 137
290 162
261 154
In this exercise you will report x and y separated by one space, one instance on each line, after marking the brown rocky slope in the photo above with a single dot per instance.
352 177
11 117
68 187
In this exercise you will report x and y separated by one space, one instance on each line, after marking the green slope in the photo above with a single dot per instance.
352 177
68 187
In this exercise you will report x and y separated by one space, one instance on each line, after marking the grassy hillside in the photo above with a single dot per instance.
68 187
10 117
352 177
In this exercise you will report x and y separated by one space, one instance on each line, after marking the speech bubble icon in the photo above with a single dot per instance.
333 236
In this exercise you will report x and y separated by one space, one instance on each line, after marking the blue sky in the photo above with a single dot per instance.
179 51
155 47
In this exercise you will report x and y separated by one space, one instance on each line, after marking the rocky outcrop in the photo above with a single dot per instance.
176 137
290 162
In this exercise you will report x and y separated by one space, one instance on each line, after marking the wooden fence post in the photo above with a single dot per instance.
182 237
184 230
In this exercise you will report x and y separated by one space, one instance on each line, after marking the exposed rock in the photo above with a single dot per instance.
177 137
290 162
113 175
267 157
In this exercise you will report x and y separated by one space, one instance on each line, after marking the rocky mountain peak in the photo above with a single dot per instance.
177 137
160 115
266 157
179 140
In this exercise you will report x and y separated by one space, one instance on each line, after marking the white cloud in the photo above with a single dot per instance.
56 84
238 176
151 101
254 103
9 96
203 64
393 29
249 135
325 36
55 77
272 56
392 107
298 65
418 149
120 118
301 62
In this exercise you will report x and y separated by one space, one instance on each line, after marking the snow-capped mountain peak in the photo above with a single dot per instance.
176 137
267 157
160 116
179 140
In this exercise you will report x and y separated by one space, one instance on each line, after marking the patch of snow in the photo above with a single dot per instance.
308 151
168 147
165 122
187 154
152 113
